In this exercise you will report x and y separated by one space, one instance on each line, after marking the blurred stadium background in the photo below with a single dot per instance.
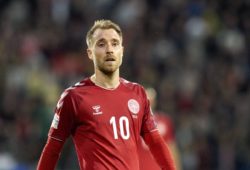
195 53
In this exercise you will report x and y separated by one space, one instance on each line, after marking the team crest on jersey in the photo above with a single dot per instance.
97 110
133 107
55 121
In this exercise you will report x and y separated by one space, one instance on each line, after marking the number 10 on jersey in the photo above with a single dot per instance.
124 127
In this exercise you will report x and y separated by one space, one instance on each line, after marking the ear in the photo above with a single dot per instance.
89 52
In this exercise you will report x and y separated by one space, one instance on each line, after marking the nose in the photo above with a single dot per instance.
109 49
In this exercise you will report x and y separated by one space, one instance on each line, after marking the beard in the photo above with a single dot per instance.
108 70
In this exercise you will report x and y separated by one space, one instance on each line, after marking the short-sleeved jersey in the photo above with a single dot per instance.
106 125
165 127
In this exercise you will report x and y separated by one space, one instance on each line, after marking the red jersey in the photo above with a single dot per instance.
164 124
105 124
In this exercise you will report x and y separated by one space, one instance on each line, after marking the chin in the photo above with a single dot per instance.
108 71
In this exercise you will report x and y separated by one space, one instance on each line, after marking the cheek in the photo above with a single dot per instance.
121 56
100 53
97 55
120 53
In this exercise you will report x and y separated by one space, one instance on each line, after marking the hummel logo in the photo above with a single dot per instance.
96 109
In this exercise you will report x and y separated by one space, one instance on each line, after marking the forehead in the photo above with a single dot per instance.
107 34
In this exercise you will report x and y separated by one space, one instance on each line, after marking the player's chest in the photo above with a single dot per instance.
104 109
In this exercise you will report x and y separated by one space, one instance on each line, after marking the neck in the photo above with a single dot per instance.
106 81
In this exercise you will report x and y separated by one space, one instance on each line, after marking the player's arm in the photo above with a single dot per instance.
166 129
59 131
153 139
50 154
159 150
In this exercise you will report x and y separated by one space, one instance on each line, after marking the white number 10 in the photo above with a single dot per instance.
124 126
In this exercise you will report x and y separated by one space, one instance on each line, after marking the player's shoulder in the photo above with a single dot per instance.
131 85
81 85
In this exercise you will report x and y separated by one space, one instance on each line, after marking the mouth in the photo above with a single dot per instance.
110 59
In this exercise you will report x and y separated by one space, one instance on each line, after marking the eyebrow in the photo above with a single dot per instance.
113 39
100 40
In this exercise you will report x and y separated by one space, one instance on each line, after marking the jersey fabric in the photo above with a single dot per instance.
165 126
106 125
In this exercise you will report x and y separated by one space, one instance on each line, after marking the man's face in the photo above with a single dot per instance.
106 50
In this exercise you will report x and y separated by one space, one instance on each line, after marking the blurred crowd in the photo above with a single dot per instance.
195 53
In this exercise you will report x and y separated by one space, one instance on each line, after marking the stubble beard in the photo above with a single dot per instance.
108 71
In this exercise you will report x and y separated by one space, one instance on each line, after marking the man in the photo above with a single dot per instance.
166 129
104 113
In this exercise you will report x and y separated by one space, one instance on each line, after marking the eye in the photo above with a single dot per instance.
101 44
115 43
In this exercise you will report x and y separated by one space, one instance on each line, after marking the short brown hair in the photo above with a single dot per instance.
102 24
